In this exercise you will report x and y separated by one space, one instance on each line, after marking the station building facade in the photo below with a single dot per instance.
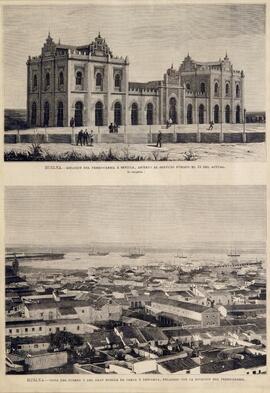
92 85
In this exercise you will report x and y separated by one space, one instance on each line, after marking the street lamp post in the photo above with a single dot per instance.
244 127
221 136
198 129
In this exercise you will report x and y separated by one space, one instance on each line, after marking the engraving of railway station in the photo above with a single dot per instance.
91 85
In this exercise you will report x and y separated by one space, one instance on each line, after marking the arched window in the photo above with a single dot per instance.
34 114
46 118
117 81
237 91
134 114
99 114
79 78
149 113
201 114
216 114
78 114
227 89
237 114
173 110
202 87
117 114
227 114
34 81
189 114
188 86
61 78
60 114
47 80
99 81
216 89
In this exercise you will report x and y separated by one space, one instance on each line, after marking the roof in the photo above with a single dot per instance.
179 304
102 338
130 332
252 361
32 340
178 332
135 321
245 307
24 322
91 301
67 310
178 364
215 367
153 334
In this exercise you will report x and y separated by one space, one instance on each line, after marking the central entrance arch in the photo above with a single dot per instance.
134 114
216 114
227 114
172 110
46 114
237 114
78 114
60 114
201 114
99 114
34 115
118 114
189 114
149 113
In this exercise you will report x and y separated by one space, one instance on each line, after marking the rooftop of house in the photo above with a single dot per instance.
130 332
245 307
31 340
179 304
152 333
178 364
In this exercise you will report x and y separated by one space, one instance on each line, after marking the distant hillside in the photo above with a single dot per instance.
15 118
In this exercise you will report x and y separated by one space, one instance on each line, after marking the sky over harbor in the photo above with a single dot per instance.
157 215
152 35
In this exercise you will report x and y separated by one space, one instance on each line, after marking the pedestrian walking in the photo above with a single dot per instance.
91 138
159 139
80 138
211 125
111 128
72 122
85 137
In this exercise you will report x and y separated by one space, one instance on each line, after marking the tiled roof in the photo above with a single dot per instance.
179 364
176 303
153 334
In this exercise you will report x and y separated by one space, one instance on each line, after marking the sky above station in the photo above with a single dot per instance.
153 35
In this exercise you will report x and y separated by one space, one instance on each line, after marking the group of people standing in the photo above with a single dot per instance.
84 138
113 128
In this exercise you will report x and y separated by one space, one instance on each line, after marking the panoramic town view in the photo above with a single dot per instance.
166 281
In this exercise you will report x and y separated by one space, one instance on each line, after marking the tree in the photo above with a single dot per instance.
62 339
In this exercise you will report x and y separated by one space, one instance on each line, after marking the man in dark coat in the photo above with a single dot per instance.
111 127
85 137
80 138
72 122
159 139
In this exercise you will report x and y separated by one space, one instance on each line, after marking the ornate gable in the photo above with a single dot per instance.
49 46
99 47
188 64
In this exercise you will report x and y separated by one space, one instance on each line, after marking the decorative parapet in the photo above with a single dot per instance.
143 91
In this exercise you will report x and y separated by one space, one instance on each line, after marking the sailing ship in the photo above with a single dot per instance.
97 253
234 254
133 254
181 256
